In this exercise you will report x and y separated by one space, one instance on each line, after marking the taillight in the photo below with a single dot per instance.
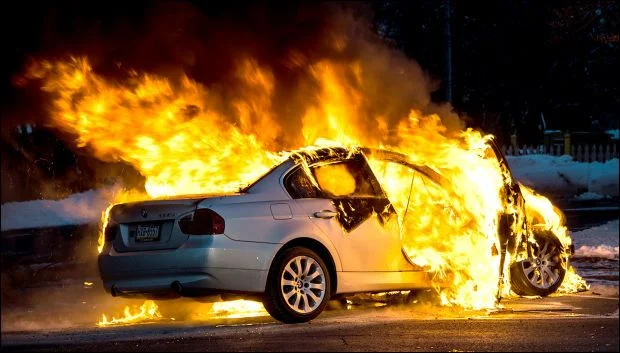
202 221
110 231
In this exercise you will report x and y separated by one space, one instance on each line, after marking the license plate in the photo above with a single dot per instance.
147 233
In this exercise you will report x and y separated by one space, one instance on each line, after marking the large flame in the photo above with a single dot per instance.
169 133
180 136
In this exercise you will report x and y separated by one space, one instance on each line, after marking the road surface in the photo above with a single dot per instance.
574 322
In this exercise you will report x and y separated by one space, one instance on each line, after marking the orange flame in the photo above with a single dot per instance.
542 213
170 134
238 309
183 139
118 197
148 311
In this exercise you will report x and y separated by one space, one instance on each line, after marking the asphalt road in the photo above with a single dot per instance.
576 322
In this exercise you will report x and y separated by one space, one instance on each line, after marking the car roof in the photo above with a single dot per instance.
311 155
403 159
328 154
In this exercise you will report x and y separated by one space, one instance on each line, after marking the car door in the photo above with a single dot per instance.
420 201
343 198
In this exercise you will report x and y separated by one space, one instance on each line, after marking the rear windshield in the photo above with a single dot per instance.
247 188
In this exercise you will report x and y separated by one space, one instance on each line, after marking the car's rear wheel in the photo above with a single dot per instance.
543 273
298 286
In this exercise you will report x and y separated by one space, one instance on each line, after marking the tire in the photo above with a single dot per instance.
543 274
291 296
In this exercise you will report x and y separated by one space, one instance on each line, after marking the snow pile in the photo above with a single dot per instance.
600 251
590 196
598 242
561 175
82 208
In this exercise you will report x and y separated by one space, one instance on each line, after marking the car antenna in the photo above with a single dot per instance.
408 198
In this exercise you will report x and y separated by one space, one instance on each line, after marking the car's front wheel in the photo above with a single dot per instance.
543 273
298 286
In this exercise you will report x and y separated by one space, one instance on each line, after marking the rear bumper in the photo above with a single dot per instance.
202 264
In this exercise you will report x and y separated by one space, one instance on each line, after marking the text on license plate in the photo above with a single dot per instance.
147 233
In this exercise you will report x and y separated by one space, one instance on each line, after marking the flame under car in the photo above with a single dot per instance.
317 226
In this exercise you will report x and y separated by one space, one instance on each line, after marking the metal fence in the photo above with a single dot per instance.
580 153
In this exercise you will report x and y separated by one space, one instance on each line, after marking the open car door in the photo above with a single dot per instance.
417 195
347 203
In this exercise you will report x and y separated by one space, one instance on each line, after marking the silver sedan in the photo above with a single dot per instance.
295 237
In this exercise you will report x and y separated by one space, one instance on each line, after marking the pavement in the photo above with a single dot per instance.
571 322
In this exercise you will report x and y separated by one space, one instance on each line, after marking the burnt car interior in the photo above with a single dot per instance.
351 186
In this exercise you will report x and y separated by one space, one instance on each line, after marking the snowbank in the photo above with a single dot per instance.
562 175
600 242
590 196
76 209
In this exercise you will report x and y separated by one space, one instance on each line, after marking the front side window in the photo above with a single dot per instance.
347 179
353 189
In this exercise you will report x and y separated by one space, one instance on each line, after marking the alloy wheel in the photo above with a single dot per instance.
544 269
303 284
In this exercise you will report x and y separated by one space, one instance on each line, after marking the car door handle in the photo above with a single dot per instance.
325 214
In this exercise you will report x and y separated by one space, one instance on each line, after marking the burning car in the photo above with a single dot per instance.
318 225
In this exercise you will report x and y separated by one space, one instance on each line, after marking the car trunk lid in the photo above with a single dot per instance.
149 225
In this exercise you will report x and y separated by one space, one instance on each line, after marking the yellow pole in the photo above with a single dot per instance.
567 143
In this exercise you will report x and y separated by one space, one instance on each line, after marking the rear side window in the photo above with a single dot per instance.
299 186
